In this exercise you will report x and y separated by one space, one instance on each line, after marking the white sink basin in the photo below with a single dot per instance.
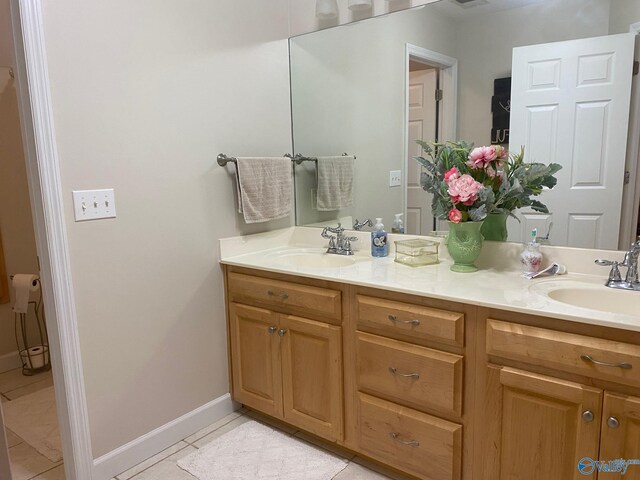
311 258
593 297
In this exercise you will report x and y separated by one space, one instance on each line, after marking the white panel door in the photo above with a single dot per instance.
570 105
422 126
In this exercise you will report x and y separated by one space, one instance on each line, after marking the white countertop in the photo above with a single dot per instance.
497 285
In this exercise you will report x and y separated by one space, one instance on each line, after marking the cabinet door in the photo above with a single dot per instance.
620 434
312 375
546 428
255 358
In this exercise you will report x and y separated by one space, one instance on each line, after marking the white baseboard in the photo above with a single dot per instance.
10 361
123 458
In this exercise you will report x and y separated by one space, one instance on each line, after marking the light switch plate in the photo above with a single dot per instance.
94 204
395 177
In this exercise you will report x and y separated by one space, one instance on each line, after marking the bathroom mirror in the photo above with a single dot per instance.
369 89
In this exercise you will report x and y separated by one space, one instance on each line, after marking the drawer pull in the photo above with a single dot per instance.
282 296
406 375
587 416
272 329
282 332
589 358
613 422
394 319
410 443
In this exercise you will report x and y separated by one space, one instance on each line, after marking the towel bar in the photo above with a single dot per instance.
298 159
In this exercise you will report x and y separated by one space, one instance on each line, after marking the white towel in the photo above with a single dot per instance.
264 188
335 182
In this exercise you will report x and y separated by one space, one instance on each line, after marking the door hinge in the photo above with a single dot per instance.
627 177
636 67
439 95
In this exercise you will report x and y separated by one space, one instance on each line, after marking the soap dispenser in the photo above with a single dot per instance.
531 257
379 245
398 226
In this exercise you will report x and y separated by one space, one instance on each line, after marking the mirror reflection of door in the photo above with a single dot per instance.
423 125
570 105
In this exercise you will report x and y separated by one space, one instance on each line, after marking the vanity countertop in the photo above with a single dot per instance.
495 285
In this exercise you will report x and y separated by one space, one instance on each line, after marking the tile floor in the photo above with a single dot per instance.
28 464
163 466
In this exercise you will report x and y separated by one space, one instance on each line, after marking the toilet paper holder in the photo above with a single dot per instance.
29 330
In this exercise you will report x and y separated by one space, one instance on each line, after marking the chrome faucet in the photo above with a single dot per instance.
358 225
630 261
339 244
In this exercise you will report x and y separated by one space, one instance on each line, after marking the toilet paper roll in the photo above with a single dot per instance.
36 356
23 283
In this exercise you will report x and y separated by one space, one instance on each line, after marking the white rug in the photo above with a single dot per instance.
34 419
254 451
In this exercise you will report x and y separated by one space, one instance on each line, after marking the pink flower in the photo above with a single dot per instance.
464 190
480 157
451 174
455 215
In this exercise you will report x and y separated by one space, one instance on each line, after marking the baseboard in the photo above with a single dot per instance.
10 361
122 458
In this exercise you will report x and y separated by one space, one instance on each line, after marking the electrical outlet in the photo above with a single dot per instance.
395 178
94 204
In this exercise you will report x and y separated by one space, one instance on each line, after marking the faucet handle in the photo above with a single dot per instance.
614 274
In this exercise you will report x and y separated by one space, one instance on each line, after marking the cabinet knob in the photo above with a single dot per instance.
613 422
272 329
282 332
587 416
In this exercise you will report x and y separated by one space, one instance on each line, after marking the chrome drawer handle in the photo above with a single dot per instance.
394 319
410 443
406 375
613 422
589 358
272 329
282 332
282 296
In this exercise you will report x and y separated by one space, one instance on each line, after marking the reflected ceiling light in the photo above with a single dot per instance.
326 9
357 5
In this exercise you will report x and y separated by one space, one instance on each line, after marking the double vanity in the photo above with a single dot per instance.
438 375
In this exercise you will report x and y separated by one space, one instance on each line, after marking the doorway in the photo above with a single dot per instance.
26 382
430 116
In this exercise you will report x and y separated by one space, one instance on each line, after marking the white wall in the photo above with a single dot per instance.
145 94
623 14
6 40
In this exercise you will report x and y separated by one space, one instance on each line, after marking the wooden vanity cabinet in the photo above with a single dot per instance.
288 366
547 406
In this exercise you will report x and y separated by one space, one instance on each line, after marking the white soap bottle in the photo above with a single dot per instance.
379 245
398 226
531 256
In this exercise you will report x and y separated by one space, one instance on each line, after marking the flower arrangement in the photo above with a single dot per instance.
469 183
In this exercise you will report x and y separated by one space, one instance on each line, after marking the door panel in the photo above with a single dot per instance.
312 375
623 441
570 105
543 433
422 126
255 355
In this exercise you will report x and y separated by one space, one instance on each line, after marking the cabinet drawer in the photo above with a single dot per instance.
399 319
286 297
614 361
419 444
409 374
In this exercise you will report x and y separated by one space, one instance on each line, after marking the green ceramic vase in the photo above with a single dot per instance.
464 244
495 227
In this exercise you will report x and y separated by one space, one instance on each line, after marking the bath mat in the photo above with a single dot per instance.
254 451
34 419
